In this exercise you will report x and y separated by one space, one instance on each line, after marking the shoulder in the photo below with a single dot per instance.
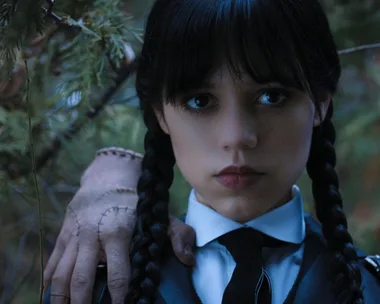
369 264
370 269
176 282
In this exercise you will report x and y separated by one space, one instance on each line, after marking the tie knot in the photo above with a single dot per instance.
243 243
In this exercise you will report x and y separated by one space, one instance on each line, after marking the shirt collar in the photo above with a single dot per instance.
285 223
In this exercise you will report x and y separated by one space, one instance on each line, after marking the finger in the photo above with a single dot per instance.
82 281
60 285
53 261
119 269
182 237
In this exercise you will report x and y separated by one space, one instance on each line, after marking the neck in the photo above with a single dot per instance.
246 211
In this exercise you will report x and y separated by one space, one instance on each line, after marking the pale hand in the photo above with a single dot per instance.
98 226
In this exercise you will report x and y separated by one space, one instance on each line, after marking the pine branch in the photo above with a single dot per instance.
21 19
62 23
52 150
122 67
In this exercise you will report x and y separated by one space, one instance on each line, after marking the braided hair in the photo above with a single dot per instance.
186 41
150 237
329 210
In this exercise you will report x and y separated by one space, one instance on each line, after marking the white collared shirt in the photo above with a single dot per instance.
215 265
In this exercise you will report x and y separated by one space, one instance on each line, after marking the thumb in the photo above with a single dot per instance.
182 237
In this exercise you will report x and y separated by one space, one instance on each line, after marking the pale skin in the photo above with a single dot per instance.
241 123
98 226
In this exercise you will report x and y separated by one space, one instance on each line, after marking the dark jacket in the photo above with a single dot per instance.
313 285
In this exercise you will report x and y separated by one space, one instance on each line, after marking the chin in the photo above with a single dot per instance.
240 209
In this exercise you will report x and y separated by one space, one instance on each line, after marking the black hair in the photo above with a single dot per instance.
186 41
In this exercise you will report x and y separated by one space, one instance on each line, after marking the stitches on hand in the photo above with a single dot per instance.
113 208
75 215
121 152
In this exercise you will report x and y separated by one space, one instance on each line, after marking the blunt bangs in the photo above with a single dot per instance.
263 38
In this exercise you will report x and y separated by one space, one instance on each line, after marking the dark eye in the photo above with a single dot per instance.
198 102
273 97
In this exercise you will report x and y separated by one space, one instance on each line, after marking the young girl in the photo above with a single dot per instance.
238 94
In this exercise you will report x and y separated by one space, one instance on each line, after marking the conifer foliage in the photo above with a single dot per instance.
75 50
61 64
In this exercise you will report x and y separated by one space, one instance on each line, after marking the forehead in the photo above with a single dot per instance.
224 75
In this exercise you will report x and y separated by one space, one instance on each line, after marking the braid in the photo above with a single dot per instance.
150 237
329 209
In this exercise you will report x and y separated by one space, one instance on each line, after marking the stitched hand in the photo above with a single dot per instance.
98 226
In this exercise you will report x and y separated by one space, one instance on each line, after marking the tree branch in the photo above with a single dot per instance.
359 48
51 151
53 148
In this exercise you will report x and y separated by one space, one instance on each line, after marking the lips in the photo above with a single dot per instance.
238 177
237 170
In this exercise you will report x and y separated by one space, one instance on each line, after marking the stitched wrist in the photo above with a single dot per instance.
115 190
121 152
113 166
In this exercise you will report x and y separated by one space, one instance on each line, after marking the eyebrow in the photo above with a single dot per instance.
211 84
207 84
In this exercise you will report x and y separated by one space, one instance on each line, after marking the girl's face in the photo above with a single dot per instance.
237 122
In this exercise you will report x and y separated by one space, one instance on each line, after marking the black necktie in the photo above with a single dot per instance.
250 283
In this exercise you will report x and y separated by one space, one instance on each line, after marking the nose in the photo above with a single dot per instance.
238 130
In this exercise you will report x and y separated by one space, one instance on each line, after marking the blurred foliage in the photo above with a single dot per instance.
72 62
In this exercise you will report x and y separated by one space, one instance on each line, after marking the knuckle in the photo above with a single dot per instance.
118 282
79 282
59 279
181 231
188 230
64 238
175 237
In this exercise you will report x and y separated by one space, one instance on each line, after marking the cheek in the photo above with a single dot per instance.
185 139
290 140
190 146
189 160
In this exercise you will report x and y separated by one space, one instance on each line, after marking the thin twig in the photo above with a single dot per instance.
54 16
51 5
34 171
49 12
359 48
